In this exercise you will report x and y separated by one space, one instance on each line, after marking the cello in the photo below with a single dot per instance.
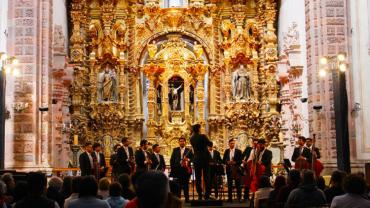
254 170
317 166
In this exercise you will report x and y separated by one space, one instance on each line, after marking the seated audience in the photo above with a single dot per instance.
53 191
336 185
88 195
124 180
294 178
355 187
280 182
263 192
20 191
10 184
320 182
115 199
3 204
307 195
36 186
66 190
76 181
103 190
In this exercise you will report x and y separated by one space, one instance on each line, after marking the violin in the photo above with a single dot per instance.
185 163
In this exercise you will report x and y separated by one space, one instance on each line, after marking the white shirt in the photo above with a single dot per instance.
91 159
182 150
211 152
157 156
127 152
232 153
97 157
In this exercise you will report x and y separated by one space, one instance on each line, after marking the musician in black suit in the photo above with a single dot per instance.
142 159
113 162
233 159
301 151
200 144
101 163
246 153
214 163
86 160
125 155
262 156
316 153
180 164
157 159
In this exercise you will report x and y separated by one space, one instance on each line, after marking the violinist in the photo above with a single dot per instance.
214 163
125 158
181 158
158 160
142 158
301 155
233 159
101 167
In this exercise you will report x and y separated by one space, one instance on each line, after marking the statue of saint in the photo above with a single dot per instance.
175 97
241 83
107 85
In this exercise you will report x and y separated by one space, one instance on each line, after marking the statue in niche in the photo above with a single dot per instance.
159 100
107 85
175 93
241 83
191 98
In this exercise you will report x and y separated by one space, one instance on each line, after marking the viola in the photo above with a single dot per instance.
185 163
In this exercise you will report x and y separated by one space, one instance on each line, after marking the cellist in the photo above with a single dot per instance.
301 155
315 164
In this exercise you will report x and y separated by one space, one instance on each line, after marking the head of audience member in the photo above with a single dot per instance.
97 147
104 184
354 184
294 177
2 189
88 187
115 189
280 181
156 148
9 181
337 178
20 190
125 142
301 141
261 144
308 177
124 180
232 143
320 182
88 147
135 177
264 182
67 186
210 147
182 142
196 128
76 183
152 190
55 183
144 144
36 183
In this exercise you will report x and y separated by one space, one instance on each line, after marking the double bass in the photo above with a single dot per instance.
317 166
254 170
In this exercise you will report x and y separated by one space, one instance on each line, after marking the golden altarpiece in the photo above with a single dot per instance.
144 71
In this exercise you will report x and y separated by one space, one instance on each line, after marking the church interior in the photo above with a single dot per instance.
106 72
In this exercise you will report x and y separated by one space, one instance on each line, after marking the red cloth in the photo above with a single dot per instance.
132 203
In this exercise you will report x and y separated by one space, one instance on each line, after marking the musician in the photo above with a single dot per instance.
246 153
158 160
86 160
215 162
200 143
125 158
316 153
113 162
314 162
100 160
301 152
180 164
262 156
142 157
233 159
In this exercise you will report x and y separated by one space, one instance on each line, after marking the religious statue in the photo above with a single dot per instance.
175 97
241 83
107 85
159 100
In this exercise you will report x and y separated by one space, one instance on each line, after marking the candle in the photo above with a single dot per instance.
75 139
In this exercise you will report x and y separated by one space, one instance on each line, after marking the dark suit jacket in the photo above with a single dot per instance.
317 150
175 162
216 157
102 159
305 153
266 161
85 165
157 165
238 156
247 152
123 165
200 143
140 160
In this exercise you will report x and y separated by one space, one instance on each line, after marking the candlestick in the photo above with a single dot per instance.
75 139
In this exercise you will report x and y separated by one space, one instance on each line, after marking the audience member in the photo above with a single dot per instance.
280 182
320 182
20 191
307 195
103 190
2 195
355 187
53 191
115 199
335 186
263 192
88 193
9 182
294 178
152 190
76 182
66 189
124 180
36 183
